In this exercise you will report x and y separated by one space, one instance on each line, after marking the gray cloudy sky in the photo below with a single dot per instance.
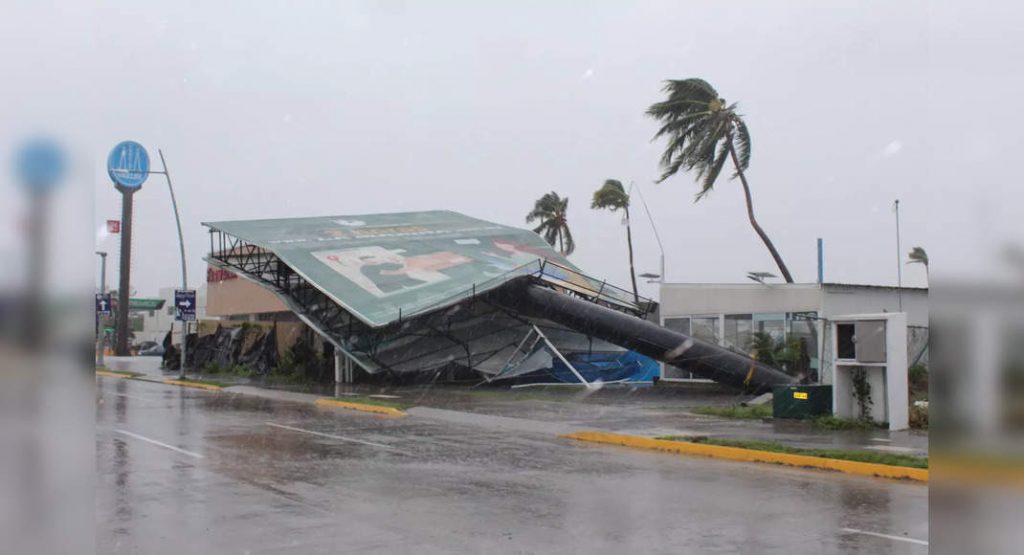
279 109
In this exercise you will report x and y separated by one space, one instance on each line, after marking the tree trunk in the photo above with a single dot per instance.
753 221
632 272
561 249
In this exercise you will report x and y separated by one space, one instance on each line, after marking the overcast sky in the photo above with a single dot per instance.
284 109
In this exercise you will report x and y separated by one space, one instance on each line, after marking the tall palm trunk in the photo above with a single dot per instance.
632 272
753 221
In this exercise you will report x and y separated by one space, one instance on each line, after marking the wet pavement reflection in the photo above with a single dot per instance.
192 471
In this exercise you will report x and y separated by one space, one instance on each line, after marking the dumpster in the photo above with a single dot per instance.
801 401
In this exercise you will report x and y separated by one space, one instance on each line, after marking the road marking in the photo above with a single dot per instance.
886 536
160 444
880 439
332 436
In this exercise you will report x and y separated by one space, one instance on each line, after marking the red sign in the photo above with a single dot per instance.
217 274
113 226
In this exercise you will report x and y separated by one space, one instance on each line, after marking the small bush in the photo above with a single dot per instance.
919 418
830 422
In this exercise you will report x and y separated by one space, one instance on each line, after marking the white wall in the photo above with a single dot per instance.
682 299
839 300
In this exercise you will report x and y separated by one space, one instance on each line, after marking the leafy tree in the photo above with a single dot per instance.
918 255
612 196
550 210
704 132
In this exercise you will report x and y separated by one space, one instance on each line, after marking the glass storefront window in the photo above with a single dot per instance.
705 328
681 325
738 332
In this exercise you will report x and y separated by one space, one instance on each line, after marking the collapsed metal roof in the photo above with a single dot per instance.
421 292
385 267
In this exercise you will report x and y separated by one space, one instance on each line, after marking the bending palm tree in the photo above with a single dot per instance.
551 210
703 132
612 196
918 255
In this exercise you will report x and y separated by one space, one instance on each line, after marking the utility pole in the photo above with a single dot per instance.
899 257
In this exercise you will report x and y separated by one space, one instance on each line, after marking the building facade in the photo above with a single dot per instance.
793 317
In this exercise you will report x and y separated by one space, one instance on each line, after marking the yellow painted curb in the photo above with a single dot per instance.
107 374
754 455
193 384
390 411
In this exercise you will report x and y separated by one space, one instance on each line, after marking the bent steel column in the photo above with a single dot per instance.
671 347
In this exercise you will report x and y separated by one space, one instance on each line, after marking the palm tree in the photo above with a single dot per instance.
703 132
918 255
551 210
612 196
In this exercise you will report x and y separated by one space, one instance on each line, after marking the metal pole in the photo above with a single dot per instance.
821 261
562 358
100 334
653 227
34 306
124 281
899 258
184 271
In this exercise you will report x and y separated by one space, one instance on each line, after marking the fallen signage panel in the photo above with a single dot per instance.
384 267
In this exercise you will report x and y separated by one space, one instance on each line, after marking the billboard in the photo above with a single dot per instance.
383 266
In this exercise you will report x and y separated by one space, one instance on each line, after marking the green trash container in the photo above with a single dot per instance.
801 401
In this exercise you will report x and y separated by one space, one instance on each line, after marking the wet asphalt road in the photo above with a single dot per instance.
191 471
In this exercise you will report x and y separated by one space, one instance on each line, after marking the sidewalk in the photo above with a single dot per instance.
635 410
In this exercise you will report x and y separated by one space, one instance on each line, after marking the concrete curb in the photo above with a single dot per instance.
196 385
334 403
107 374
753 455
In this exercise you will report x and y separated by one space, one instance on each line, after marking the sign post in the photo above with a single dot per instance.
184 311
128 168
102 312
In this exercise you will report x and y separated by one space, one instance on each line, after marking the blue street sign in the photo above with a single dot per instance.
185 305
128 164
103 304
40 165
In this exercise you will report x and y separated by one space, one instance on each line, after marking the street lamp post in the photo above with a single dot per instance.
181 247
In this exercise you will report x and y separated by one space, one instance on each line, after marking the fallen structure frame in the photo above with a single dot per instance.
429 291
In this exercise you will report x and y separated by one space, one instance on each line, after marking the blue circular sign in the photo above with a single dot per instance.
128 164
40 165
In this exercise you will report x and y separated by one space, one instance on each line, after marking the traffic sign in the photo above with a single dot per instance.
113 226
185 305
103 304
128 165
40 165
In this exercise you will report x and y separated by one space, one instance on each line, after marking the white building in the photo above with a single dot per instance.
730 315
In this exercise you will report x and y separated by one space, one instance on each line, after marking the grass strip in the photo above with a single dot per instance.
890 459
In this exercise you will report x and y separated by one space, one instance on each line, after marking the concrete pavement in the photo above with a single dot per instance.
190 471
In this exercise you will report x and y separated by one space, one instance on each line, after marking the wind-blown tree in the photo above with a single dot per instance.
612 196
550 210
918 255
703 133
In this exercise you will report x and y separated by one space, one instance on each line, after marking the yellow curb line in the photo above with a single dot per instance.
390 411
107 374
192 384
754 455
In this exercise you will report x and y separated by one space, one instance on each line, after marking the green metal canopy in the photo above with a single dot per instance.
383 267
